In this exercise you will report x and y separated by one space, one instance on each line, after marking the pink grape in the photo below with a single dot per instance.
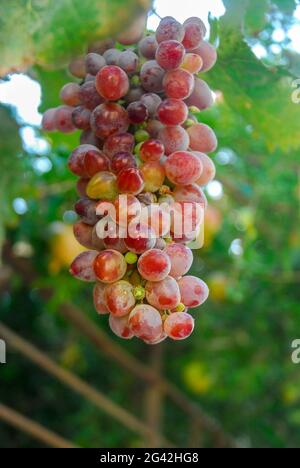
70 94
183 168
153 127
99 300
118 142
112 56
63 119
112 83
94 63
48 121
169 29
201 96
77 67
153 173
86 160
170 54
152 76
208 54
202 138
195 31
190 193
109 118
147 47
174 138
146 323
179 325
181 258
178 84
162 338
122 160
163 295
119 298
120 327
140 238
192 63
172 112
152 150
81 118
194 292
137 112
154 265
83 266
209 169
89 95
86 209
151 101
109 266
128 61
130 181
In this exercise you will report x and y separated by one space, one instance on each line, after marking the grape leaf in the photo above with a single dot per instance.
263 96
50 32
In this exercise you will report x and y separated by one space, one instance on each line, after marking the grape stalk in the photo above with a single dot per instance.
141 167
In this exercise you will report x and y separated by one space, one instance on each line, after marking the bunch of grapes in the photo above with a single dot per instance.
136 105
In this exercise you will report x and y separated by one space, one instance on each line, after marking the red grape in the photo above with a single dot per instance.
145 322
122 160
208 54
83 266
112 83
152 150
195 31
134 94
179 325
137 112
164 295
181 258
174 138
118 142
202 138
83 234
170 54
154 265
127 207
87 137
94 63
194 292
86 209
151 101
70 94
81 187
140 238
99 301
63 119
152 76
81 118
190 193
86 160
130 180
178 84
209 169
201 96
49 121
89 95
109 118
147 47
183 168
172 112
169 29
109 266
112 56
119 298
120 327
128 61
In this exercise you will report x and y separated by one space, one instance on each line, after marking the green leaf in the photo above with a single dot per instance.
50 32
261 95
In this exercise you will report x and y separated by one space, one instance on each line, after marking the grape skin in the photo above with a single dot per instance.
145 322
183 168
153 173
140 238
201 96
128 61
195 31
89 95
86 160
86 209
118 142
120 327
102 186
208 54
109 266
174 138
181 258
119 298
190 193
169 29
83 266
163 294
112 56
109 118
130 181
81 118
178 84
202 138
154 265
209 169
94 63
148 46
122 160
172 112
112 82
99 301
194 292
63 119
152 150
70 94
179 325
152 76
170 55
48 121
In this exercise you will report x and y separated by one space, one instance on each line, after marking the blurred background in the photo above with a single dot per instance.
232 382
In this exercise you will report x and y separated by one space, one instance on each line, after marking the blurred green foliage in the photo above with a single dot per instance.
237 364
